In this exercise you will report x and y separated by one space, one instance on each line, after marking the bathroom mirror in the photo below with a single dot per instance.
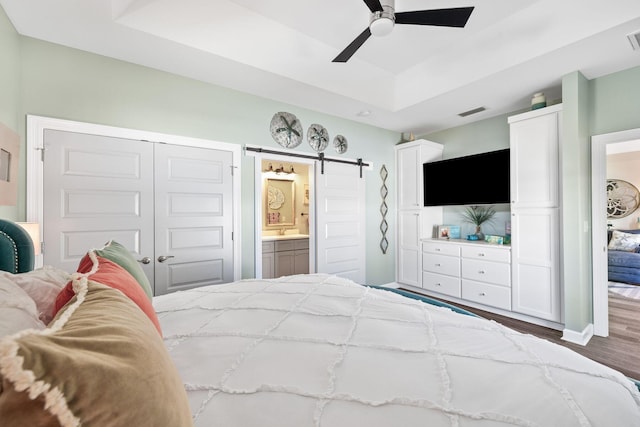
280 202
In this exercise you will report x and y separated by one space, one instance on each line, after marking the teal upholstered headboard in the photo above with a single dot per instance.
16 248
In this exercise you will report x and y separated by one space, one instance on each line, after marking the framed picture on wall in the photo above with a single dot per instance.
9 160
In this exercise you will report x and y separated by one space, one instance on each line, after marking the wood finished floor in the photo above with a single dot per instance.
620 350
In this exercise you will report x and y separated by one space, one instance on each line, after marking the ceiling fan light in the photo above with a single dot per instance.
381 27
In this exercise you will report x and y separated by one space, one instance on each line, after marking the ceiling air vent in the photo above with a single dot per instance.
470 112
634 38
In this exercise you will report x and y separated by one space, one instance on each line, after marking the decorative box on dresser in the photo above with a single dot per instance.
414 221
535 213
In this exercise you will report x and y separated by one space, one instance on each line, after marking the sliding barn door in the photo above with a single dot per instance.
340 221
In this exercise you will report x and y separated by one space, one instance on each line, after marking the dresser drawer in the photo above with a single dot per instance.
447 285
441 264
441 248
486 253
483 293
497 273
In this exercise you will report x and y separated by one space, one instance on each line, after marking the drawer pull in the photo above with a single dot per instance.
480 271
480 254
482 294
437 249
438 265
438 284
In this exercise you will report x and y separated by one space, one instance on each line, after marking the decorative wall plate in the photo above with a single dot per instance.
623 198
340 144
318 137
286 130
275 197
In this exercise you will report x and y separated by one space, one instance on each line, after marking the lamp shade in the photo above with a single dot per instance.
33 229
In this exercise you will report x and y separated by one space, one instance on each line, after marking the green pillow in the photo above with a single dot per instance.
117 253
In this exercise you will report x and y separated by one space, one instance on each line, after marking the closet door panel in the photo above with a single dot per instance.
96 188
193 190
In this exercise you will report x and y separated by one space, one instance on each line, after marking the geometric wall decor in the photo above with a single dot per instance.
384 243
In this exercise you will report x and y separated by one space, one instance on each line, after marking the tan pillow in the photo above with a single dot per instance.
99 363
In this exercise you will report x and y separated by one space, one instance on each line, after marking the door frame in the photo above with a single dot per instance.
599 225
36 125
258 205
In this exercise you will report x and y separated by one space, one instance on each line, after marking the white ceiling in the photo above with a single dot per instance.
417 79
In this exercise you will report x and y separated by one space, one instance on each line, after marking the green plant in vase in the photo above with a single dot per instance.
478 215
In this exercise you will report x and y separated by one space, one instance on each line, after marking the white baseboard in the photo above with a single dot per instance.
577 337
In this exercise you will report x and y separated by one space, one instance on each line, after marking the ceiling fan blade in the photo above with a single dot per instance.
353 46
453 17
374 5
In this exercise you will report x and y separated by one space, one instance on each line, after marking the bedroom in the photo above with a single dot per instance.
39 75
184 107
74 74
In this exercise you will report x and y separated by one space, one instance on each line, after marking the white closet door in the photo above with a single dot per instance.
96 188
194 222
158 200
340 220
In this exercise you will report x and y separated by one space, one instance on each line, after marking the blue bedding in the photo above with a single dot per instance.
624 267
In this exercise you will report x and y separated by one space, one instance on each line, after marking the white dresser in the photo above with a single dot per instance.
472 271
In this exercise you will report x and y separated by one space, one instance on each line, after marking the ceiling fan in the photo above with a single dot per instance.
383 18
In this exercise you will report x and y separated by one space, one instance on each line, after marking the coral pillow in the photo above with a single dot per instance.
109 273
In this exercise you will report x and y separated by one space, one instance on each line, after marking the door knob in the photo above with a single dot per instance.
145 260
163 258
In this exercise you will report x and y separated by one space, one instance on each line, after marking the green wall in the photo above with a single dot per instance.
575 167
478 137
615 102
65 83
9 93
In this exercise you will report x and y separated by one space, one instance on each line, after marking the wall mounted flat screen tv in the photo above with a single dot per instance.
478 179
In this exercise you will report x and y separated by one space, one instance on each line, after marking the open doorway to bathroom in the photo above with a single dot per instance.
284 218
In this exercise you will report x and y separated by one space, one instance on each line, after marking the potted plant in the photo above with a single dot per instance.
478 215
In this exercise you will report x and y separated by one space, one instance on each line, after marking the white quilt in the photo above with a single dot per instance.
318 350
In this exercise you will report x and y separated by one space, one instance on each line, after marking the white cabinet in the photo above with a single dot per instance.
472 271
291 257
535 216
414 221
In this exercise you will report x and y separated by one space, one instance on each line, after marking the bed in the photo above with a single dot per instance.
304 350
623 256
